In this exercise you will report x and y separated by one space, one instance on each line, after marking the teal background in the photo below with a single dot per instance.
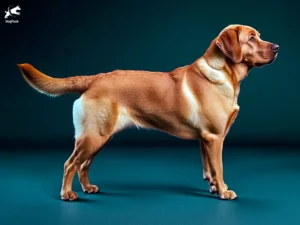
67 38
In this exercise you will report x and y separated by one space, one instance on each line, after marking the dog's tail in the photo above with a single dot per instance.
54 86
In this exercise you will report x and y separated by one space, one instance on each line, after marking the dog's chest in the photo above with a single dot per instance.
217 110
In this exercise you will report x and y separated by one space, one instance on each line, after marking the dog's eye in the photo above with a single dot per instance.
251 38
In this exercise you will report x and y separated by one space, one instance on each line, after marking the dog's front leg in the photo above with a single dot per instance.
212 146
206 169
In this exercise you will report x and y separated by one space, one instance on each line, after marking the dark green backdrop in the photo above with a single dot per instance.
67 38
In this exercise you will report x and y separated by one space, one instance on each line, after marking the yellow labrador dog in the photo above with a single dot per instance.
197 101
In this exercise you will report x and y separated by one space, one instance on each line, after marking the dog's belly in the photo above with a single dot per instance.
172 125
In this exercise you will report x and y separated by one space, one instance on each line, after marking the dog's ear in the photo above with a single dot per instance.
228 42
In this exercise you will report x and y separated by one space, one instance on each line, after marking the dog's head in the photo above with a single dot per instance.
241 43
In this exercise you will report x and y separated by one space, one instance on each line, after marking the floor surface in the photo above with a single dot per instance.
151 186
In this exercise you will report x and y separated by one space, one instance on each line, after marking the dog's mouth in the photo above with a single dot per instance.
272 60
264 64
259 64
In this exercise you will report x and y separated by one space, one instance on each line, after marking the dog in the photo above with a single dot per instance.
196 101
12 12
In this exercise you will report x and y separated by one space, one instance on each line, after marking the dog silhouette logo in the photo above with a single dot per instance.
12 11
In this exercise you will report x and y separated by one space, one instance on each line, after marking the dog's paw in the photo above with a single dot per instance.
213 189
228 195
90 189
68 196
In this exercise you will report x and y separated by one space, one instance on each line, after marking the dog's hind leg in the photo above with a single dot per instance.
85 148
84 171
93 128
83 176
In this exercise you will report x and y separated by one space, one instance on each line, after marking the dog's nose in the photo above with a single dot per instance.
275 48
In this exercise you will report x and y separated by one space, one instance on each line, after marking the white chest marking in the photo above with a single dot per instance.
217 77
193 107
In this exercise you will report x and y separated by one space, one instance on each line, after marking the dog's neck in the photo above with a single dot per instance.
215 58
